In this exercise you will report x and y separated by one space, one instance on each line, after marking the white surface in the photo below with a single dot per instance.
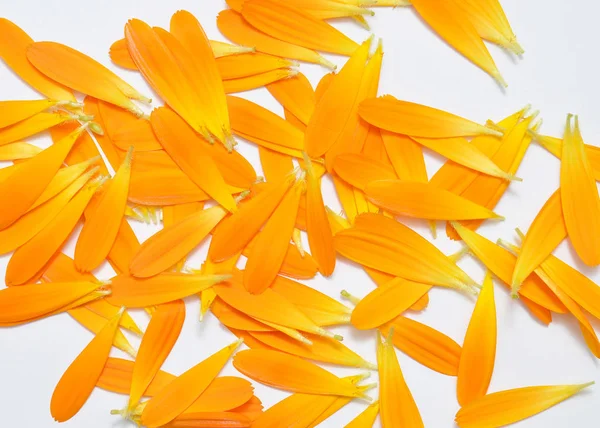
558 75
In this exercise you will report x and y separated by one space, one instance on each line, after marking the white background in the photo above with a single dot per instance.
558 74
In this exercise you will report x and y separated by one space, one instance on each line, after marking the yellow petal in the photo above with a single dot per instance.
579 196
405 155
249 64
396 403
290 24
510 406
236 28
260 80
554 146
479 348
276 166
366 419
32 126
296 95
77 383
16 111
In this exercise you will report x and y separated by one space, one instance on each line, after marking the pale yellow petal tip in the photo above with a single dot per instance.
515 47
353 299
498 78
327 64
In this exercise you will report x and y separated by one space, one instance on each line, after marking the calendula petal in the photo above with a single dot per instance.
359 171
163 187
320 308
255 81
29 260
405 155
175 136
501 263
513 405
387 302
16 111
102 225
37 219
268 306
424 344
292 25
396 403
579 196
180 394
140 293
270 247
366 418
407 254
554 146
222 49
296 95
449 22
32 126
137 133
249 64
545 233
78 382
335 106
107 116
160 337
423 200
13 51
329 9
28 182
291 373
117 375
276 166
479 348
210 419
186 28
83 74
234 319
417 120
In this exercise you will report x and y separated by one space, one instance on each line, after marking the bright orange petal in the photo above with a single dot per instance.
296 95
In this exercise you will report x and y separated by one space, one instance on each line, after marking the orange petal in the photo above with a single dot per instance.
554 146
249 64
160 337
29 260
234 319
270 247
330 9
291 373
276 166
255 81
292 25
422 200
210 420
579 196
359 171
545 233
236 28
107 116
13 51
77 383
510 406
102 225
296 95
501 263
345 193
426 345
180 394
207 79
117 375
405 155
135 132
366 419
172 132
396 403
416 120
329 121
451 24
479 348
16 111
82 74
223 394
387 302
32 126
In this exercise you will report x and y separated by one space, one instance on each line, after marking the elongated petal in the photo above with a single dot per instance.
579 196
185 389
405 155
329 9
234 319
16 111
417 120
270 247
545 233
501 263
78 382
83 74
160 337
117 376
291 373
238 66
140 293
255 81
510 406
32 126
359 171
554 146
290 24
479 348
396 403
172 244
296 95
29 260
426 345
422 200
449 22
320 308
207 78
366 418
223 394
387 302
134 132
276 166
18 151
268 306
101 227
175 136
13 51
334 108
210 419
